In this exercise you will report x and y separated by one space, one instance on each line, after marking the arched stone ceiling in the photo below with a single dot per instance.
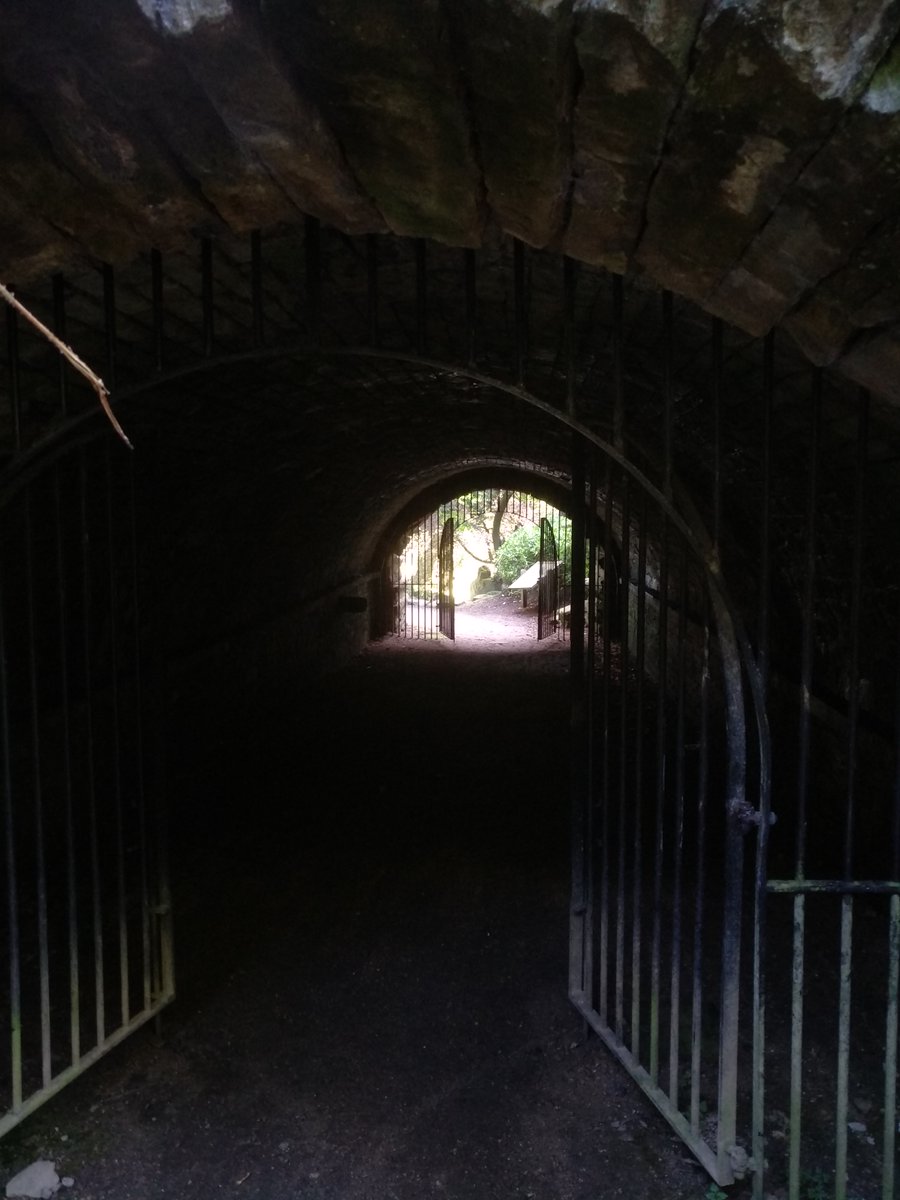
744 153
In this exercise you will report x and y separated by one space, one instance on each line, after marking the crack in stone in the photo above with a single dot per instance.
665 140
575 77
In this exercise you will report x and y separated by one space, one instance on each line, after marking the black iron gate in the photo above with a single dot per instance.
84 906
548 583
667 790
446 609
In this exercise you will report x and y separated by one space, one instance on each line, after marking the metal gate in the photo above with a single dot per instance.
663 806
84 903
446 610
548 582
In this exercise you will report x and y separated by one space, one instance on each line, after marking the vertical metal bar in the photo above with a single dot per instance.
678 841
256 288
14 373
570 277
159 320
206 292
662 672
638 794
623 759
421 296
618 413
668 397
109 324
799 916
140 786
893 980
700 885
89 749
758 1149
581 731
589 735
62 591
717 379
608 584
372 286
520 311
312 253
11 870
471 309
843 1058
859 519
116 735
37 796
59 328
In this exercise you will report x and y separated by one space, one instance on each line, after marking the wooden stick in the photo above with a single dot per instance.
69 354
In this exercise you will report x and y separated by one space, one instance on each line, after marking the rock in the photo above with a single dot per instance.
38 1181
856 1127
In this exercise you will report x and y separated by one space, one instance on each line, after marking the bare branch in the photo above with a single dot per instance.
69 354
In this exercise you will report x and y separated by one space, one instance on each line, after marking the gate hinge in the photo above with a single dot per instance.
748 816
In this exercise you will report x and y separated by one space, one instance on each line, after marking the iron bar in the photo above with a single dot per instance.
206 296
622 788
580 724
717 377
859 518
14 375
59 328
159 312
90 749
662 674
889 1142
12 883
312 255
799 915
833 887
608 584
109 325
62 591
37 794
140 789
256 287
638 792
116 735
843 1051
700 884
678 840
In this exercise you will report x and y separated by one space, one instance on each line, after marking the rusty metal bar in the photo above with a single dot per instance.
256 288
59 328
799 913
206 296
14 375
37 794
159 312
11 868
62 591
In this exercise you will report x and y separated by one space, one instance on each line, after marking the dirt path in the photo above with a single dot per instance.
372 914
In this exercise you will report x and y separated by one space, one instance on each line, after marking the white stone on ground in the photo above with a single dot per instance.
39 1181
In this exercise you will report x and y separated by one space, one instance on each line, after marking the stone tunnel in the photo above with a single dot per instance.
613 912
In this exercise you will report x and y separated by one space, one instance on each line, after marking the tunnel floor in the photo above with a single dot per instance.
371 915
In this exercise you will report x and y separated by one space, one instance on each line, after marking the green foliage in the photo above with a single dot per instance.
518 552
714 1192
